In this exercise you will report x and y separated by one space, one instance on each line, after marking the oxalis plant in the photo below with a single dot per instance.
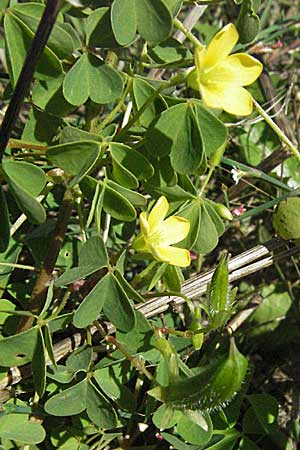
115 125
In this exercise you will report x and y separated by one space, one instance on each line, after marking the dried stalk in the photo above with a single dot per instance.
248 262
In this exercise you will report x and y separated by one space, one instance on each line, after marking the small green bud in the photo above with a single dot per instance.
223 211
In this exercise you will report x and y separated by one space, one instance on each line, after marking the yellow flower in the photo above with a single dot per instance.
220 77
158 234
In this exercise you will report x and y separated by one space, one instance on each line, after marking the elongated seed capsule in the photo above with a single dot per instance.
211 388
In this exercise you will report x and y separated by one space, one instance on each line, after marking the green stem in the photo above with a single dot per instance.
208 177
173 82
136 362
277 130
187 33
60 306
18 266
110 117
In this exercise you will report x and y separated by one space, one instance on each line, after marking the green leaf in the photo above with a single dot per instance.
18 42
41 127
132 160
138 339
18 427
99 410
124 21
117 205
227 442
92 305
80 359
216 219
123 176
173 278
192 212
75 158
195 427
163 413
117 306
60 42
213 132
248 22
74 274
178 443
247 444
177 132
69 402
4 223
207 238
28 177
112 381
49 343
261 417
102 83
93 253
38 364
142 90
154 20
99 30
130 291
73 134
173 5
18 350
170 51
137 200
48 95
11 256
286 218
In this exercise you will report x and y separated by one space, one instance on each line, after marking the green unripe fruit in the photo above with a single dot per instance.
213 386
286 219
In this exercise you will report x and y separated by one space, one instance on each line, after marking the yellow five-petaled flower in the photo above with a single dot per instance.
220 77
158 234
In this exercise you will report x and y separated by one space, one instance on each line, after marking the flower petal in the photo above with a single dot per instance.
220 46
174 229
212 94
233 99
173 255
145 228
245 68
158 213
238 101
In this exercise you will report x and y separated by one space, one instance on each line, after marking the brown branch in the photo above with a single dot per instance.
248 262
44 277
39 41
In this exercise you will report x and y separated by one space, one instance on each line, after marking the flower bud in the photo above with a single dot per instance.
223 211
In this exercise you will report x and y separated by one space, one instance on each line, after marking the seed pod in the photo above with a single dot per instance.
213 386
